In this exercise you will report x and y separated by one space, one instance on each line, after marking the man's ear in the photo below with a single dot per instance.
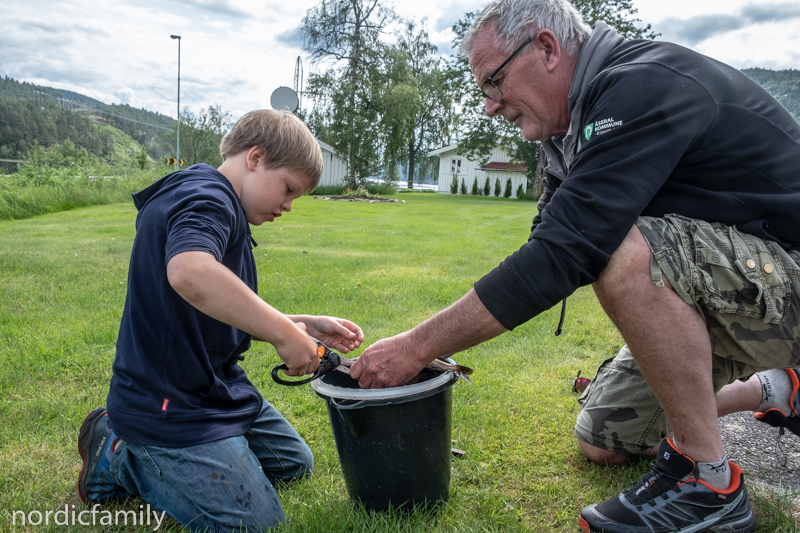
549 48
255 157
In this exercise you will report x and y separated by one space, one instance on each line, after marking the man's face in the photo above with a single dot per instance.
267 193
529 99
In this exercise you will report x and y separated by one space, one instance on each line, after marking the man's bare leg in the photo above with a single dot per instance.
670 344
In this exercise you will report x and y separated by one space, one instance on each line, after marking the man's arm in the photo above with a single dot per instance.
393 361
217 292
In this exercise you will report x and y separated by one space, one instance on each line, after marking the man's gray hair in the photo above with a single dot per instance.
516 20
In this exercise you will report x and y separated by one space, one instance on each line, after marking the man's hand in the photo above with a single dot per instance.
336 333
393 361
388 363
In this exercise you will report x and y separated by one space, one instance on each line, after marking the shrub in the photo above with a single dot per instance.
463 187
486 187
475 187
507 193
520 192
497 190
454 185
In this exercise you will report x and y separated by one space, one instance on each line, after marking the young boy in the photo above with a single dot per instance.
185 429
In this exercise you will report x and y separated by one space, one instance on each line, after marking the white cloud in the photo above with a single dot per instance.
235 53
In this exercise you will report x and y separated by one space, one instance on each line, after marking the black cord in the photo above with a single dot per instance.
563 313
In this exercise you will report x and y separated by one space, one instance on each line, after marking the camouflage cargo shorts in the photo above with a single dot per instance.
748 292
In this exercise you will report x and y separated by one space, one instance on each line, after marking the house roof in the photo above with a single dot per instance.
326 146
443 149
499 165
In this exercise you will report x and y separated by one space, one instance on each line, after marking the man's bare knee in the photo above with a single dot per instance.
604 457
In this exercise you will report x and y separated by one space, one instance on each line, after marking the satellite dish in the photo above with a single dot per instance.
284 99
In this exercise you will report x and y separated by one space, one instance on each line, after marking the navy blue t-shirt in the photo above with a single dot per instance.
176 379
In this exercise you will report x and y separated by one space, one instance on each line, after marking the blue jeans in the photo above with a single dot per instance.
223 485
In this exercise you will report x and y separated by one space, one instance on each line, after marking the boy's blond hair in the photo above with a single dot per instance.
288 142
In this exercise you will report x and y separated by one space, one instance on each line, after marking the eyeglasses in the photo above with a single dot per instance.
488 88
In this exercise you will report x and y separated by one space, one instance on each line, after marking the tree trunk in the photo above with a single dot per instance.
412 155
353 75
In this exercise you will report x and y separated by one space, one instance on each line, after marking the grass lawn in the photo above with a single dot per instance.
386 267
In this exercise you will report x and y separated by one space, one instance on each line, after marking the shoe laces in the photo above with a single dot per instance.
653 484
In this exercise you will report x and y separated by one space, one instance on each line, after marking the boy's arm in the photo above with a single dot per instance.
213 289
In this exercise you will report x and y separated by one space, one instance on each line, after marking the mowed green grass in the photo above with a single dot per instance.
386 266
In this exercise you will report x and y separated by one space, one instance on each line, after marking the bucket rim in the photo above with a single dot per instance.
393 393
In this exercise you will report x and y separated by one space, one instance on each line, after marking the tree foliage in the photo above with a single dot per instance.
201 134
146 127
28 123
784 85
346 33
416 103
615 13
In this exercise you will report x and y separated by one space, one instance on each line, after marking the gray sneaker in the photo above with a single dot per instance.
668 499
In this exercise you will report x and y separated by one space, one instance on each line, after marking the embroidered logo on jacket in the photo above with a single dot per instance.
601 126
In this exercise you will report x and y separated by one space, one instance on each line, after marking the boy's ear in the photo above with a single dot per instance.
255 156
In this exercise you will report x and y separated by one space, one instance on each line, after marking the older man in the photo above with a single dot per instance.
673 186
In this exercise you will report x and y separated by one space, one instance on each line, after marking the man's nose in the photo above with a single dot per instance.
492 107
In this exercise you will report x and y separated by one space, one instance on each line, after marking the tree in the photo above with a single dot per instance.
507 192
486 187
520 192
475 187
615 13
417 103
463 187
497 189
346 33
454 184
142 161
201 135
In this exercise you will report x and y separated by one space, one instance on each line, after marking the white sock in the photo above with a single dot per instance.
717 474
776 386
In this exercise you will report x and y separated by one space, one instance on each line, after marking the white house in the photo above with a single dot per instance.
499 166
334 168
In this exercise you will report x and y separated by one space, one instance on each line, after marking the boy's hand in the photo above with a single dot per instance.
298 351
336 333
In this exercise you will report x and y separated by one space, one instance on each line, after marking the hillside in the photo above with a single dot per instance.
28 106
784 85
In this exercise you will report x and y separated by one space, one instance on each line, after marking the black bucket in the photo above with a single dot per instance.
394 444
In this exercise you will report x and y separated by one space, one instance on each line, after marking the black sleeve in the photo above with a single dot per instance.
643 119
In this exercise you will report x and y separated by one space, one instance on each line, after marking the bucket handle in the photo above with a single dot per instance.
338 405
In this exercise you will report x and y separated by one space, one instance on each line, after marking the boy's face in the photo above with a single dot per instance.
267 193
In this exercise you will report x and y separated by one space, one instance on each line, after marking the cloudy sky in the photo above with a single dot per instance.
235 53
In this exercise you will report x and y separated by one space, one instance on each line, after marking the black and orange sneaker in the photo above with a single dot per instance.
96 444
670 499
779 419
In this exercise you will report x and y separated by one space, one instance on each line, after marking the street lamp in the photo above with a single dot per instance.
178 142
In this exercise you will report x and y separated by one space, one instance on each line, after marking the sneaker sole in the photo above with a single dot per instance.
85 439
745 524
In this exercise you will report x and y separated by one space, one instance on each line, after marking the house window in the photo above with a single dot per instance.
455 166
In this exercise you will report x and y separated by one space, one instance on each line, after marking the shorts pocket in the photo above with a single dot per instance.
739 273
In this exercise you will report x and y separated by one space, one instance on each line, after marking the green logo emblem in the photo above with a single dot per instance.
587 131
